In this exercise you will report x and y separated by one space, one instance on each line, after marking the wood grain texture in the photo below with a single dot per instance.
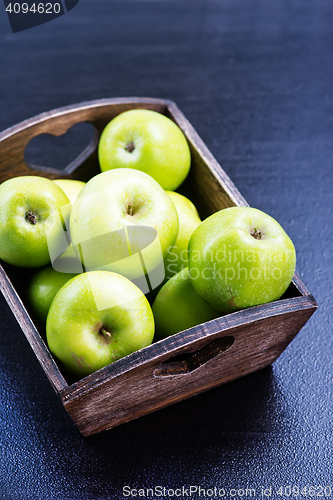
206 177
138 391
14 140
153 377
29 329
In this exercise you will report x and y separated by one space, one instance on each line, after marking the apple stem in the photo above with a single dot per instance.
130 147
31 217
104 332
257 234
129 208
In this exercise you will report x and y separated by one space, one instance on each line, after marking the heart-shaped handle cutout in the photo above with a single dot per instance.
62 154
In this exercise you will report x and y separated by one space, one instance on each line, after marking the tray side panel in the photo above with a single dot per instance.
207 181
139 391
31 333
14 140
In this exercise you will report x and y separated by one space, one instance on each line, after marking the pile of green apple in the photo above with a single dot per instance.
101 249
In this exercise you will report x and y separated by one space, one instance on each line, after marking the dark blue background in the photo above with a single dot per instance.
70 4
255 78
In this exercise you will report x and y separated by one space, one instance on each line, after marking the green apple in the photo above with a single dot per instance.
178 306
48 280
148 141
123 221
71 188
42 289
68 262
95 319
240 257
189 220
34 212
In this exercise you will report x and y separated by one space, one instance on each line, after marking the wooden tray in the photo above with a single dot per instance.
184 364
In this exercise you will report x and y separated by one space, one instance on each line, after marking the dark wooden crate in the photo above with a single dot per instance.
184 364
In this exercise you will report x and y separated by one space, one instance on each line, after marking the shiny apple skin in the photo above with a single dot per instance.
148 141
71 187
88 305
178 306
22 242
42 289
189 220
101 223
233 269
